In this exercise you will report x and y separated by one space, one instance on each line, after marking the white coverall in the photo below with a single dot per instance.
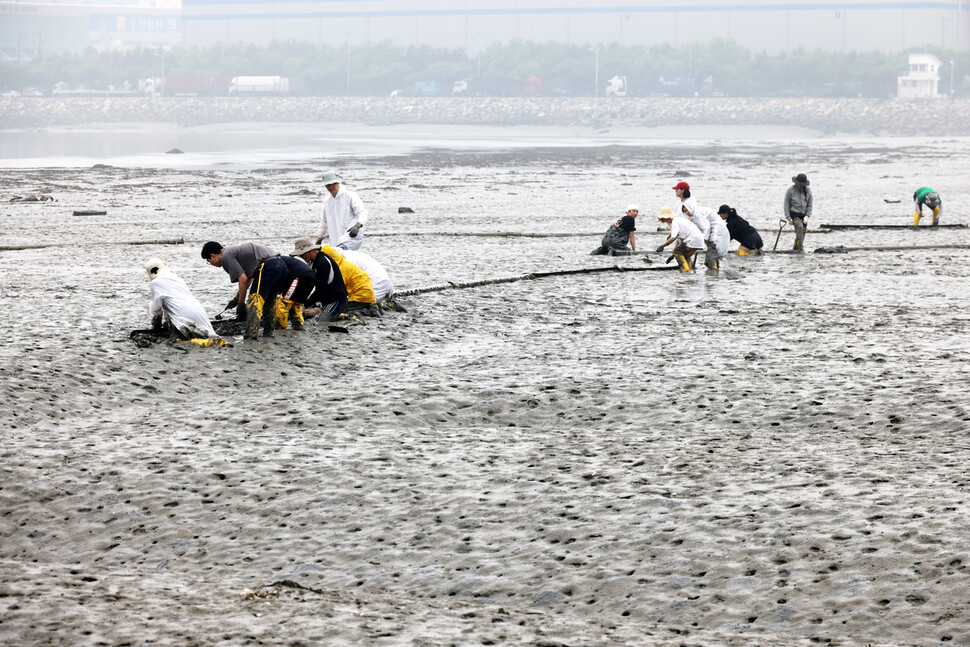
170 295
719 232
340 213
379 277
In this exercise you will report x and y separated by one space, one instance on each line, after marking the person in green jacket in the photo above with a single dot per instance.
928 196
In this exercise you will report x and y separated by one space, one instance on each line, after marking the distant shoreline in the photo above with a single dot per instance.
885 117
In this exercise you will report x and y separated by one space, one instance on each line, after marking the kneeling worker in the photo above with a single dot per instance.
619 234
928 196
172 304
688 237
747 236
330 290
258 270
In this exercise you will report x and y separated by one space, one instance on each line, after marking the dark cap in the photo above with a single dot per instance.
723 209
210 248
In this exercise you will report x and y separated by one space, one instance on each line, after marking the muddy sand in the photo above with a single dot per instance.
776 455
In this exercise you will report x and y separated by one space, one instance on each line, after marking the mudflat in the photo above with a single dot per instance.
774 455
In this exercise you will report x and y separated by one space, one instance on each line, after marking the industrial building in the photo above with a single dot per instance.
33 28
771 27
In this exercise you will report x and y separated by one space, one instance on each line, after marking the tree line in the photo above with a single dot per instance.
718 67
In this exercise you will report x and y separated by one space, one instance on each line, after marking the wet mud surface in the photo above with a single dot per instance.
775 455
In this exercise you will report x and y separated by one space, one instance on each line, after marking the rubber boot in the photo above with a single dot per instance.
683 263
254 314
269 323
710 257
296 313
916 216
799 234
744 252
936 216
282 313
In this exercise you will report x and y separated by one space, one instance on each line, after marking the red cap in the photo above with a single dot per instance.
681 185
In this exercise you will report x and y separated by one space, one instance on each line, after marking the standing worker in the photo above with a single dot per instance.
620 233
343 215
798 208
928 196
688 237
258 270
747 236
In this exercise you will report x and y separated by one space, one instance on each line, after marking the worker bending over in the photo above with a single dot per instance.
928 196
258 270
173 305
688 237
747 236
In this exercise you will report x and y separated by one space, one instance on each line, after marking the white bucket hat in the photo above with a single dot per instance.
330 177
153 266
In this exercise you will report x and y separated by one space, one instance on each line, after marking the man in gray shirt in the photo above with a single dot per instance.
798 207
258 270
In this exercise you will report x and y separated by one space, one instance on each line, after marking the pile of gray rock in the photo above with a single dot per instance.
872 116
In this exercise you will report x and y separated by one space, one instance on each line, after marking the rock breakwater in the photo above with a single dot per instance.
871 116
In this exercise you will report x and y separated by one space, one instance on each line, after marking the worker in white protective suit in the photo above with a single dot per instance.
717 241
383 289
173 304
343 215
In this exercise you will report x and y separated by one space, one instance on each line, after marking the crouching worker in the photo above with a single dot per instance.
173 306
686 234
329 290
619 234
296 291
258 270
379 278
928 196
747 236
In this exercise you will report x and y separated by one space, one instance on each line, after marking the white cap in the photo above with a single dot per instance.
153 266
632 207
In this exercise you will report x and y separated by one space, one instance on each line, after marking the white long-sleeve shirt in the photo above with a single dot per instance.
379 277
169 293
697 218
340 213
719 232
684 230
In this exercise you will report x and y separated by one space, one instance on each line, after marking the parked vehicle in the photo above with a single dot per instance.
616 87
259 85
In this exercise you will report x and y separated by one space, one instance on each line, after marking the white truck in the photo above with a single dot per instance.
616 87
250 85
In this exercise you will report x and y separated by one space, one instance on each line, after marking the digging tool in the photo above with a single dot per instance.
783 223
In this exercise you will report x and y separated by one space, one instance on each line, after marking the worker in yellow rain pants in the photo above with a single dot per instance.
685 233
256 269
929 197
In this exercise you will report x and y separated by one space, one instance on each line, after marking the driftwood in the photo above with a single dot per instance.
911 227
172 241
528 277
90 212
